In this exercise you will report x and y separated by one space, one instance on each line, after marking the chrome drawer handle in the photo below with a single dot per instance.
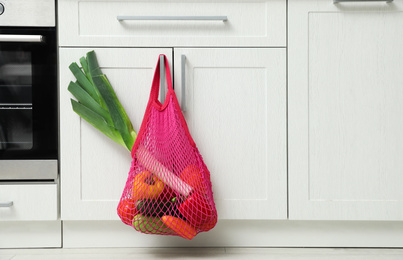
21 38
172 18
340 1
6 204
183 82
162 79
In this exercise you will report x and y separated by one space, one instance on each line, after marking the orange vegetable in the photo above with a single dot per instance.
143 190
180 226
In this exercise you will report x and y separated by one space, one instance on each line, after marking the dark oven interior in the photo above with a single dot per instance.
28 93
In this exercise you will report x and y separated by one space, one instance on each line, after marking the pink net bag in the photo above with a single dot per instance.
168 190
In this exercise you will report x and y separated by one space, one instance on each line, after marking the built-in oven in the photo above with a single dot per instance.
28 90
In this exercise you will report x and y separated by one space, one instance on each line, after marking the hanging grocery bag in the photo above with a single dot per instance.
168 190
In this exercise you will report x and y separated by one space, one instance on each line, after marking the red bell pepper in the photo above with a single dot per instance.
196 210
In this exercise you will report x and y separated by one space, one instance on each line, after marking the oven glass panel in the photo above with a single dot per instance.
28 93
16 122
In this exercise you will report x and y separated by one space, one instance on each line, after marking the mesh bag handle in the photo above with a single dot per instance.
155 87
153 101
168 190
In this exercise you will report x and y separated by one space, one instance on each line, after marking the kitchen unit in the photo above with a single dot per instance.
294 105
231 95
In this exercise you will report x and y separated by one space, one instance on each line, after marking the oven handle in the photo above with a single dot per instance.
6 204
21 38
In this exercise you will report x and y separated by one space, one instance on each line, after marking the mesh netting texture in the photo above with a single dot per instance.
168 190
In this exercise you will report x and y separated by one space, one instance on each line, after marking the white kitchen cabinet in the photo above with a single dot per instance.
236 97
94 169
235 102
345 97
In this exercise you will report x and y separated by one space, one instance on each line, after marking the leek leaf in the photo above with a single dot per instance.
93 66
84 82
84 98
84 65
97 121
93 70
119 117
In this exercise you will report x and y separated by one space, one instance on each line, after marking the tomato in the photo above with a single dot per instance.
127 210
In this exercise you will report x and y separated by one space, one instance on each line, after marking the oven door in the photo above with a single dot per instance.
28 101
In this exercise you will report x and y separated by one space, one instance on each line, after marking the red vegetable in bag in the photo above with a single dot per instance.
192 176
127 210
167 194
196 209
168 179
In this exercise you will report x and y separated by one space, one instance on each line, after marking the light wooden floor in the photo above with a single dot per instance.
205 253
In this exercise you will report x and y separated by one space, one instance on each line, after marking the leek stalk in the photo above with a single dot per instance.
97 102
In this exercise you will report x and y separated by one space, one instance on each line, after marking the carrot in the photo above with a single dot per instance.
180 226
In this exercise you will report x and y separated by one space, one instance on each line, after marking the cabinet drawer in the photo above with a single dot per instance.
28 202
167 23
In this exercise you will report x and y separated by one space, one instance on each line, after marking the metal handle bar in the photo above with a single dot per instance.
162 79
6 204
183 81
172 18
340 1
21 38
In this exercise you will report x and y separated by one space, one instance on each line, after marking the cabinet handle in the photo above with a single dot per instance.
172 18
162 79
6 204
340 1
183 81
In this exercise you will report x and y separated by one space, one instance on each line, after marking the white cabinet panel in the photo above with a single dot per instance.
95 23
235 110
94 169
345 107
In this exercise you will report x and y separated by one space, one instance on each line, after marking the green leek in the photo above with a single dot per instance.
97 102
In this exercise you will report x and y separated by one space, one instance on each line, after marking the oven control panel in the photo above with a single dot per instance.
28 13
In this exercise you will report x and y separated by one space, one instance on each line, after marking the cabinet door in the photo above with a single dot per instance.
235 103
94 169
345 110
